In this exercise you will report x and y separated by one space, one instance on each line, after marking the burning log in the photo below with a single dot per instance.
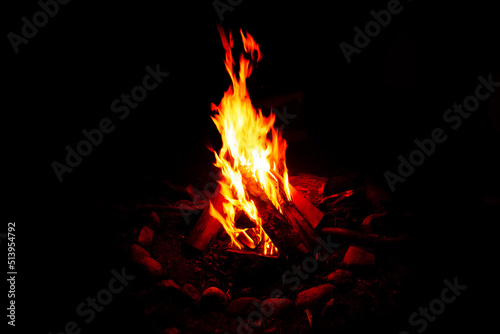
303 227
290 232
284 236
281 232
206 227
308 211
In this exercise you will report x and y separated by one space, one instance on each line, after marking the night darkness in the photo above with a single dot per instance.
354 119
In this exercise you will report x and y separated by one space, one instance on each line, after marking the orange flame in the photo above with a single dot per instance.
246 146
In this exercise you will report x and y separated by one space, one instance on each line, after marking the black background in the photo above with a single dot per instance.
361 115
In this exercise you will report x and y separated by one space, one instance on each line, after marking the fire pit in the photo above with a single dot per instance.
268 252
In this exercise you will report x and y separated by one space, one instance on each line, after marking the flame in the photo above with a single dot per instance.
247 148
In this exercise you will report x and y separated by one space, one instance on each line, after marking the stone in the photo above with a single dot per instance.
339 277
279 306
313 296
213 295
168 284
191 292
243 306
137 252
146 237
151 267
357 257
169 292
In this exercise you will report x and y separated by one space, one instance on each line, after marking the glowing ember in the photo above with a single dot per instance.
247 150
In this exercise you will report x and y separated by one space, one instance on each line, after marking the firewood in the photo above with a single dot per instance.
289 231
305 230
206 227
310 213
292 231
281 232
337 197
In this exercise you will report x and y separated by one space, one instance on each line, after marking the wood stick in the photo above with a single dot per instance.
289 231
292 232
283 235
277 228
310 213
305 230
207 227
338 197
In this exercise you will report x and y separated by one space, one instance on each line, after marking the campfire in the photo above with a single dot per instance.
277 251
254 202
